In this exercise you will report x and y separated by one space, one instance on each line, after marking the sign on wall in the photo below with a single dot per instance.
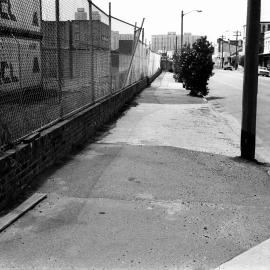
20 64
20 14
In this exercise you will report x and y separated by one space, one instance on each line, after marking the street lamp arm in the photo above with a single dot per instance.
197 10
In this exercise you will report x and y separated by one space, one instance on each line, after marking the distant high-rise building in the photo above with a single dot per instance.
80 15
171 41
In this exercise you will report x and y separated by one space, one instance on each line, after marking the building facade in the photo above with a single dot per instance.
116 37
266 42
75 44
264 26
227 52
265 56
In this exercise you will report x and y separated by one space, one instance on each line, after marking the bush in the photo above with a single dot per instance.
176 67
194 66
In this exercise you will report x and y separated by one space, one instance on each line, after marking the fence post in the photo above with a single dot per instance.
91 51
110 46
133 53
58 56
134 45
70 50
134 38
41 44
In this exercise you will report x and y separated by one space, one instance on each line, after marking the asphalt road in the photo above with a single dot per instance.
225 94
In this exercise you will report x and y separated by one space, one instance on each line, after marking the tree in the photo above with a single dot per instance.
195 66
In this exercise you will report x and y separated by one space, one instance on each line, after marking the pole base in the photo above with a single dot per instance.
248 142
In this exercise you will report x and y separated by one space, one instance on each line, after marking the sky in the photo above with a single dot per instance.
218 17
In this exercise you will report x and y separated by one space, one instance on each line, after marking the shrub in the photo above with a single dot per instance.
194 66
176 67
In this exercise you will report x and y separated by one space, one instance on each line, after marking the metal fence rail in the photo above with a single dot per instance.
59 56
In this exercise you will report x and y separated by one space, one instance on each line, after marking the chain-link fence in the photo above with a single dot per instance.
58 56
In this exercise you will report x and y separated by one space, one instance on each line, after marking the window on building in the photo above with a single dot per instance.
263 28
77 36
268 27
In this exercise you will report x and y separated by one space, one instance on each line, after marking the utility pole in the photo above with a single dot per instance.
229 42
222 60
237 34
250 86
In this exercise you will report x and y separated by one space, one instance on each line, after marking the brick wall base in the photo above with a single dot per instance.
20 165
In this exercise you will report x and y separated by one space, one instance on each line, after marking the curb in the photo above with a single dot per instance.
22 209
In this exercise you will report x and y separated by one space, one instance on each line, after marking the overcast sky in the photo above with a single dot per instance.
218 16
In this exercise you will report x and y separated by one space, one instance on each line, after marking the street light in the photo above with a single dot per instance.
182 16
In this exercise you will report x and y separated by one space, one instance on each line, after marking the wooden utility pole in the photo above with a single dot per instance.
229 42
250 87
236 34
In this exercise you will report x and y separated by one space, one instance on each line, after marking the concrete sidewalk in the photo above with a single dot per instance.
161 188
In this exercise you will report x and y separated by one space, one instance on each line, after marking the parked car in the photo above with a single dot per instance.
228 67
263 71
